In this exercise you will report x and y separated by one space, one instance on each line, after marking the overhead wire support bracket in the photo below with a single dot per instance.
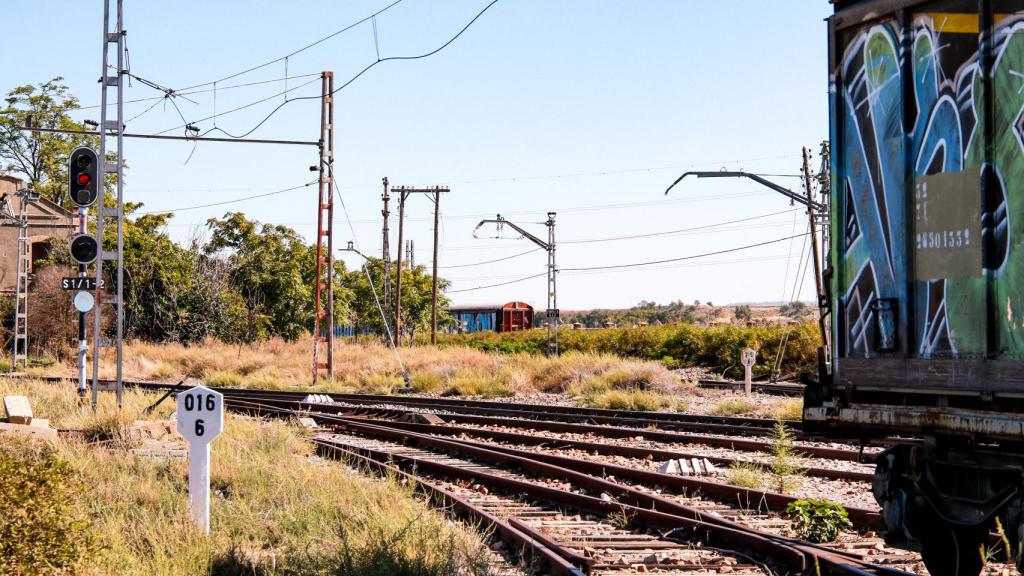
552 312
756 178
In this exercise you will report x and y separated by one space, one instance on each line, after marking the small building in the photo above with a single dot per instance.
45 220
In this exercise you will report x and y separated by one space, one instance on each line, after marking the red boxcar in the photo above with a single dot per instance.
516 316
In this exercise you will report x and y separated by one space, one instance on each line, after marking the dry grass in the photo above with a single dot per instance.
275 509
734 407
628 400
370 367
745 475
787 409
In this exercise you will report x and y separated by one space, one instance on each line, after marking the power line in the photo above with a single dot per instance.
339 88
491 261
635 264
593 173
244 198
499 284
208 90
677 231
677 266
249 105
303 49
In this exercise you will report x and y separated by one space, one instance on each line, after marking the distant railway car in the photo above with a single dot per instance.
509 317
926 271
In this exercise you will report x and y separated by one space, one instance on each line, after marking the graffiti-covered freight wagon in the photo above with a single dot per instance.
508 317
926 268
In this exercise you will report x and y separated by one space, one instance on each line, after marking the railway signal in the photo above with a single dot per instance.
84 248
83 165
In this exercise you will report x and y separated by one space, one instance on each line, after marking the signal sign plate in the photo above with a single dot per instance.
78 283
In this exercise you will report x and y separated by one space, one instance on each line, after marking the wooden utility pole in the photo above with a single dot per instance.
386 250
398 264
403 193
433 297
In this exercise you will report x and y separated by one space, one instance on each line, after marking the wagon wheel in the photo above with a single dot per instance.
953 551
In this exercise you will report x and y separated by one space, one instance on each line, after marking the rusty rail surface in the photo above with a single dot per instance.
652 510
582 424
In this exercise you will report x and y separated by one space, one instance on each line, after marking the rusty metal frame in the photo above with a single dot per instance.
323 282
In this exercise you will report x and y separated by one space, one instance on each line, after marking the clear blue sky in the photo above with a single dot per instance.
587 108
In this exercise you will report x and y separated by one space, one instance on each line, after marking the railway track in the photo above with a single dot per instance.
773 388
578 515
732 433
614 500
735 425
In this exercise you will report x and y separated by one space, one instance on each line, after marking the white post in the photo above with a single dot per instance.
200 420
199 484
747 358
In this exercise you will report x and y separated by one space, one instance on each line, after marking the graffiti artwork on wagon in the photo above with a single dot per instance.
963 207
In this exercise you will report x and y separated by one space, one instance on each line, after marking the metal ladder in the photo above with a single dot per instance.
21 291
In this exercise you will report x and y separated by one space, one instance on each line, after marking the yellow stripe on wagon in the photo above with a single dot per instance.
957 23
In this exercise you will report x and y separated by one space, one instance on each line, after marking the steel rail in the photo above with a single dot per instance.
607 449
716 530
673 417
744 444
521 419
555 558
652 509
771 388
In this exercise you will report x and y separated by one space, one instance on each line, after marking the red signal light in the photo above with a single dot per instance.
84 179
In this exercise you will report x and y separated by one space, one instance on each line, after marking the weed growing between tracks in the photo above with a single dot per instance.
275 508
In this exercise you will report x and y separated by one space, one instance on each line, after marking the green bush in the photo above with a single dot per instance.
677 345
39 532
818 520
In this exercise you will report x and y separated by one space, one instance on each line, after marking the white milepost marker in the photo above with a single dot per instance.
200 420
747 358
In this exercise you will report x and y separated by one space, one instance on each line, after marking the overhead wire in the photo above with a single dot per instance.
681 258
233 201
369 279
523 279
593 173
490 261
208 90
677 266
243 107
677 231
300 50
339 88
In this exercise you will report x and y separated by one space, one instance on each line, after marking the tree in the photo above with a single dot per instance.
271 268
794 309
743 312
40 158
417 288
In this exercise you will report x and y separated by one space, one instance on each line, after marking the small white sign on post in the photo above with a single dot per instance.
748 357
200 420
